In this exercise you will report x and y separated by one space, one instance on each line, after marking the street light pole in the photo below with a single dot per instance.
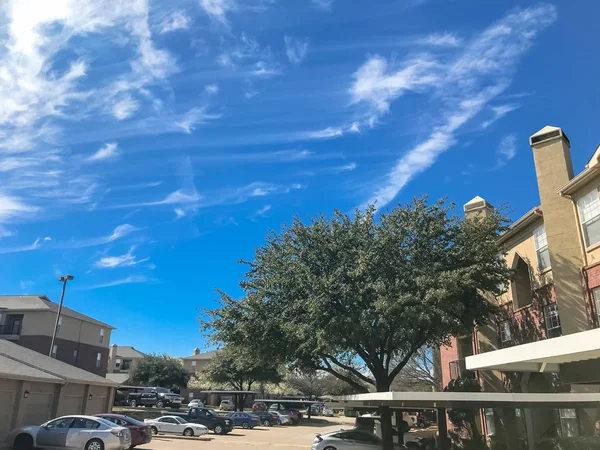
62 296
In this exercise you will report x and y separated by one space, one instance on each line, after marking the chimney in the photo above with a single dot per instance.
553 167
477 207
196 352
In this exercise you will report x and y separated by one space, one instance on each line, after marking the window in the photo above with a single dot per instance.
118 363
87 424
490 423
521 284
168 420
101 335
126 364
63 422
505 335
521 424
194 364
98 359
541 248
59 325
569 426
552 321
589 214
54 351
596 294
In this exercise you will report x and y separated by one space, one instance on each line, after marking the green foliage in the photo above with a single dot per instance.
464 419
316 384
360 294
239 370
159 370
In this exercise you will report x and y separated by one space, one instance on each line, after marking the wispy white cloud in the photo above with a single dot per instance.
119 232
277 156
261 212
442 40
193 118
113 262
124 108
131 279
179 197
177 20
108 151
295 49
22 248
245 54
324 5
465 86
218 9
498 112
506 150
211 88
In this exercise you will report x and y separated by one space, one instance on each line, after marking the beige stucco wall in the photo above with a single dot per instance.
37 323
200 364
592 253
90 334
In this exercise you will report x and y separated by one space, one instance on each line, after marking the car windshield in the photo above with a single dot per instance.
133 421
212 412
180 419
163 391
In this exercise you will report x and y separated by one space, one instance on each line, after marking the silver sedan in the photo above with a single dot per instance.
71 432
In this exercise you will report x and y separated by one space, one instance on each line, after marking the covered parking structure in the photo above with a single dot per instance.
442 401
35 388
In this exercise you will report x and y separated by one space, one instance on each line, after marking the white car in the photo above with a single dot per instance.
284 419
72 432
195 404
347 440
175 425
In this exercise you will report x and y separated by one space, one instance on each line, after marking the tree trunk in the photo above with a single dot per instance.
436 358
387 433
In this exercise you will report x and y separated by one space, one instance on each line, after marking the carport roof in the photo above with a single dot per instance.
9 368
474 400
21 356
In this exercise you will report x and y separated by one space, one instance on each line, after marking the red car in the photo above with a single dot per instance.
140 432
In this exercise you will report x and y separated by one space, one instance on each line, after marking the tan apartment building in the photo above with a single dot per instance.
545 337
81 341
197 361
120 362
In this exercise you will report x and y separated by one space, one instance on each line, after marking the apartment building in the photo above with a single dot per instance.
545 337
197 361
120 362
29 320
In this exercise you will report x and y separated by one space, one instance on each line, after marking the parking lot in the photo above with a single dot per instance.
281 437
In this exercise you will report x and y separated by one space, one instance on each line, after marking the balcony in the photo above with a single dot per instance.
458 369
10 331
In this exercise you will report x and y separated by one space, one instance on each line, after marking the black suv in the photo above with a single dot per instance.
154 396
209 418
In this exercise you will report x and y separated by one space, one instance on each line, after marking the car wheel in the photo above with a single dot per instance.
330 448
94 444
133 403
218 429
245 425
160 405
188 432
23 442
267 423
154 430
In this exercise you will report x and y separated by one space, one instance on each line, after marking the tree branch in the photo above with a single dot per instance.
327 368
349 369
394 373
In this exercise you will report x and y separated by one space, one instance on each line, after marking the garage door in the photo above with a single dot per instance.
38 408
70 404
7 400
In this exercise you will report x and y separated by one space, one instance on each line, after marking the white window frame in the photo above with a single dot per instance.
194 364
552 320
118 362
98 360
74 354
505 338
589 213
59 325
101 335
541 246
54 351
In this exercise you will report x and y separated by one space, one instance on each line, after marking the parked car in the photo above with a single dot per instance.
423 422
207 417
175 425
195 403
259 406
410 418
244 420
347 440
316 409
72 432
140 432
294 414
154 396
284 419
268 419
327 411
226 405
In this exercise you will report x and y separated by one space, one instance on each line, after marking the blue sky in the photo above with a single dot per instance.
147 146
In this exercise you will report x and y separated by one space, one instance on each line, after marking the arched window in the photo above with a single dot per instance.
521 284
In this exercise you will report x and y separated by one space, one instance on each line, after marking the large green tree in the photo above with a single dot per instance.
315 384
240 370
360 294
159 370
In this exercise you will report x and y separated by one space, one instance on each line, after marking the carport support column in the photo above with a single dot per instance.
528 414
17 406
442 443
399 426
86 394
56 400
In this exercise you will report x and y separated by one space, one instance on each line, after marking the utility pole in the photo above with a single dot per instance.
62 296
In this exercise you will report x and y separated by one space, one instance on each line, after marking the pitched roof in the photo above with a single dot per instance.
127 351
14 370
119 378
202 356
62 372
43 303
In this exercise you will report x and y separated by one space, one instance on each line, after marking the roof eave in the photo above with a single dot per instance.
527 219
576 182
